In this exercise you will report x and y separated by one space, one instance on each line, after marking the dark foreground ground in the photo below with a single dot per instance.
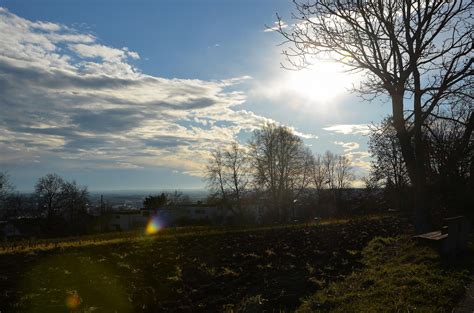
259 270
262 269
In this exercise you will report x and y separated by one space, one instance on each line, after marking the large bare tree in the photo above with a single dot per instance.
282 166
419 53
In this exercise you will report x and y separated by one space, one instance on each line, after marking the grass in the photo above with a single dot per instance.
397 276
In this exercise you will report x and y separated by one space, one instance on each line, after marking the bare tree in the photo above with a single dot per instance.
343 175
338 173
6 188
73 201
417 52
445 135
215 174
318 174
228 174
48 190
450 171
329 164
282 166
237 175
387 166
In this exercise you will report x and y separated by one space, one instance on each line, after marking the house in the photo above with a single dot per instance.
170 215
201 212
126 220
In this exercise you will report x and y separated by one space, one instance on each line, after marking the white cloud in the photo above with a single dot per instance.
93 51
349 129
87 103
348 146
360 160
100 51
133 55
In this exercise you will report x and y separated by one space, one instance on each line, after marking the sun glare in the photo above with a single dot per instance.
153 226
323 82
73 300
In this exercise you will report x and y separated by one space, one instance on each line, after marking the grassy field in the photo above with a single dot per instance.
397 276
203 269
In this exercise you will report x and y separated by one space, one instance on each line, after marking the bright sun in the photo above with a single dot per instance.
323 82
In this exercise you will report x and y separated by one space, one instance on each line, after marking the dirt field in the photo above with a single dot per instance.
255 270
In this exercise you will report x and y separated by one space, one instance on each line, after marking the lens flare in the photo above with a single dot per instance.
153 226
73 300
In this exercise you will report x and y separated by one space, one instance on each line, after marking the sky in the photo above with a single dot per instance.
123 95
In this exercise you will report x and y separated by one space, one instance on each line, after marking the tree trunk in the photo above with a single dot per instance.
414 162
422 205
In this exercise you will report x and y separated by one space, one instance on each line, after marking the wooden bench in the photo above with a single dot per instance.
451 239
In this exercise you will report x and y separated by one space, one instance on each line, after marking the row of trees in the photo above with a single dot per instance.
276 166
62 204
171 200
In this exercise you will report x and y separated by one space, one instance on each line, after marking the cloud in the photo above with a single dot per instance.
360 160
349 129
348 146
65 96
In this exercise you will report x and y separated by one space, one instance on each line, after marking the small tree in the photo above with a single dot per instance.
215 174
154 202
6 188
73 201
319 175
48 190
227 174
338 173
329 165
237 174
343 173
387 166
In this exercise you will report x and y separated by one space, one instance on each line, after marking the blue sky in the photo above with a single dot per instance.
134 94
